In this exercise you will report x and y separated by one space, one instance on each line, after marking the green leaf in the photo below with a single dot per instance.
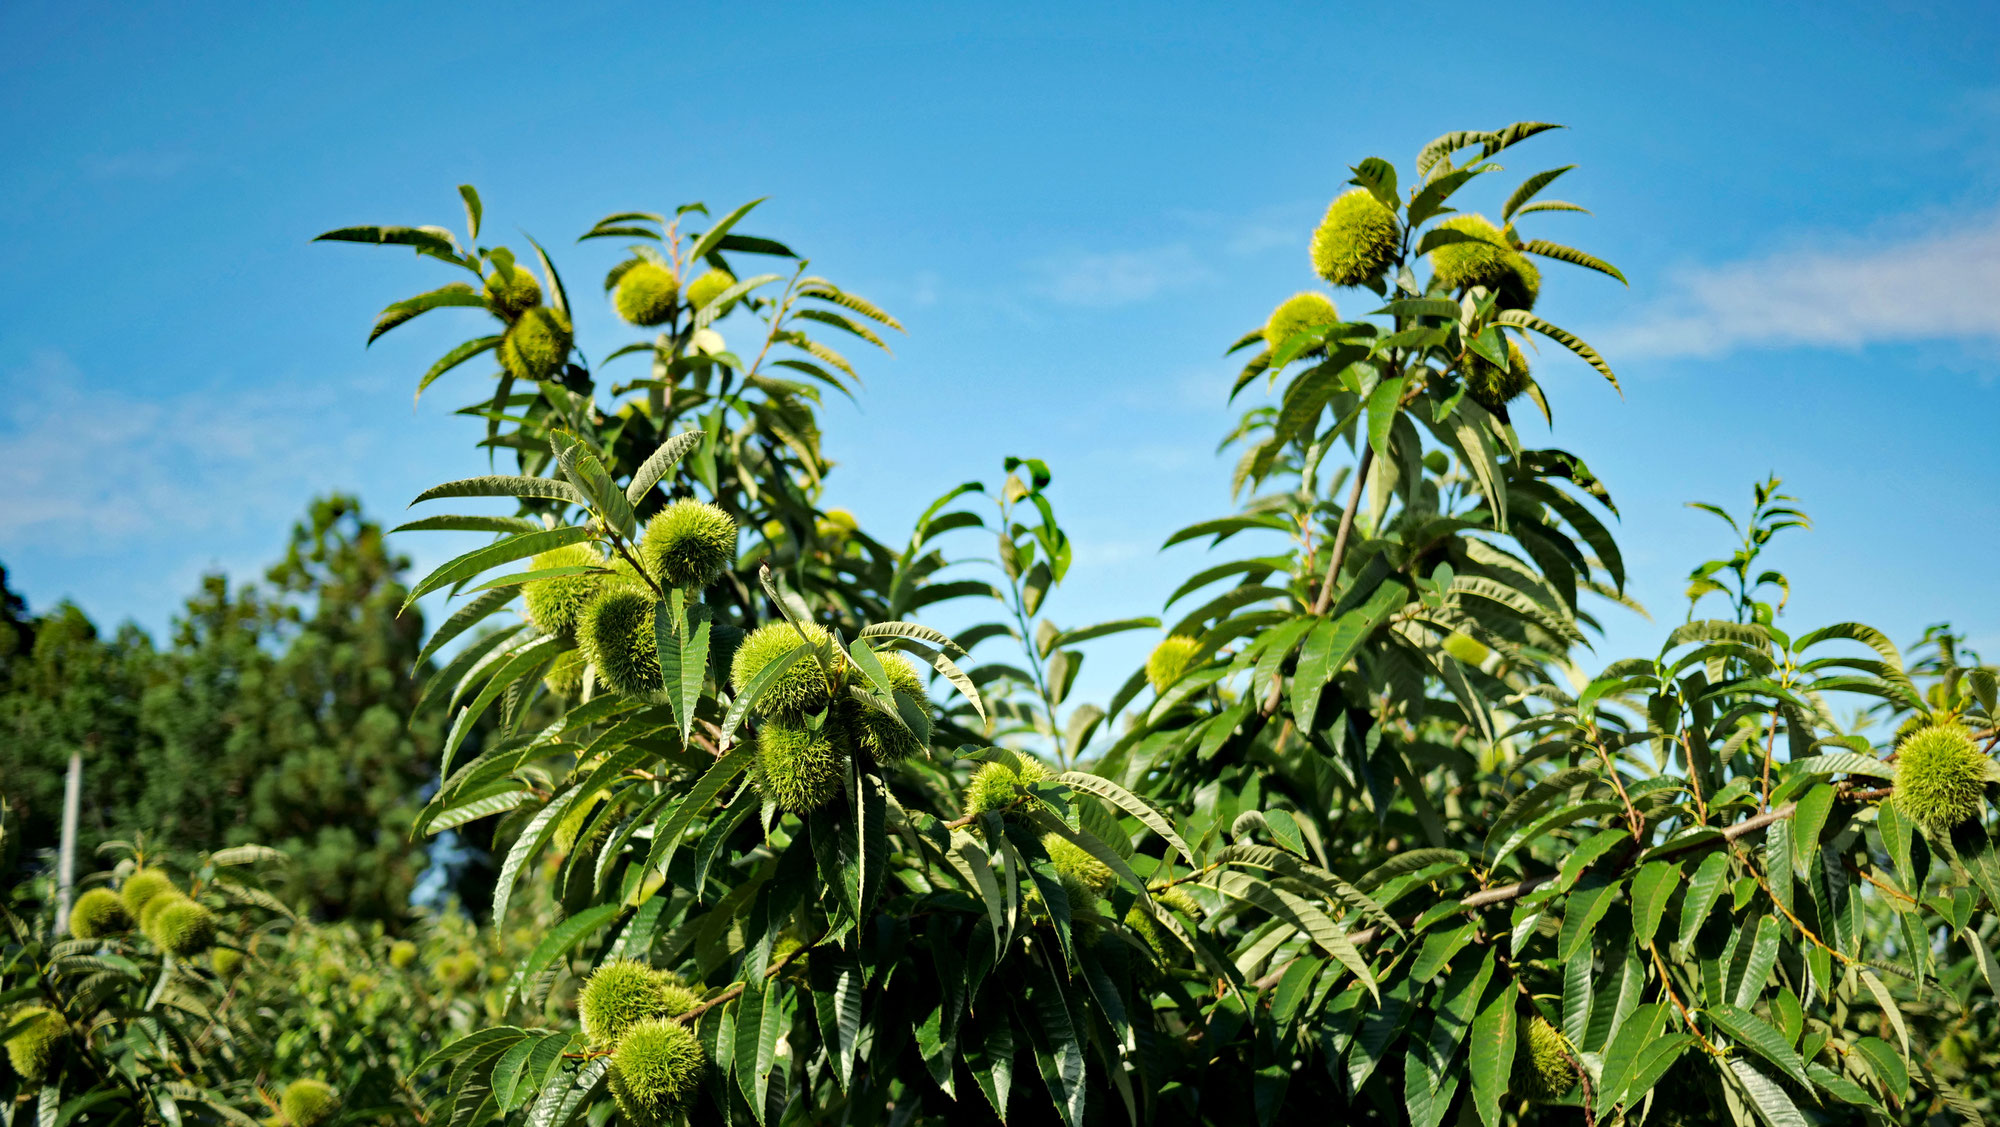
715 234
1652 888
697 801
1530 188
1522 319
581 465
683 655
1572 256
1131 804
1621 1055
1059 1048
1384 403
479 559
1302 914
1491 1055
500 485
558 942
1701 895
659 462
1580 915
1769 1100
455 357
1807 821
474 211
1887 1066
1751 1032
484 1038
455 294
455 523
871 833
434 240
461 620
1332 644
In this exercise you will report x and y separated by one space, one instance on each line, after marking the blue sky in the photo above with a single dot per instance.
1074 210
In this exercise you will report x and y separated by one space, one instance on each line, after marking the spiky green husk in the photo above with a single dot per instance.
1356 240
34 1050
513 293
1180 900
1490 387
1086 909
98 913
309 1103
992 786
226 961
402 953
537 344
655 1071
621 994
1940 777
615 634
565 675
708 287
882 738
156 904
141 887
803 689
1169 660
554 604
688 544
646 294
1545 1073
183 928
1296 314
1487 261
1074 862
801 768
1143 926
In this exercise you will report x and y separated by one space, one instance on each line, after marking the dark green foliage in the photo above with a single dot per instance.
1386 820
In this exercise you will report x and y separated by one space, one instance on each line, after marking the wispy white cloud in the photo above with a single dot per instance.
1099 279
91 464
1123 277
1841 293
